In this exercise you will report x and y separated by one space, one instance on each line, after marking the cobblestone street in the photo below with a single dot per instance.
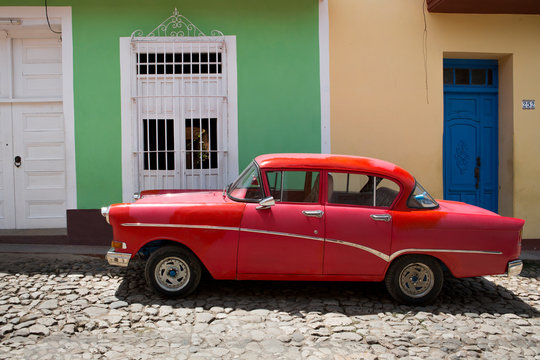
66 306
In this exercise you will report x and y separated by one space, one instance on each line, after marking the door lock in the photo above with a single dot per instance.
18 161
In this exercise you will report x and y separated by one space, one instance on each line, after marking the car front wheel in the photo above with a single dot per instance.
414 279
173 271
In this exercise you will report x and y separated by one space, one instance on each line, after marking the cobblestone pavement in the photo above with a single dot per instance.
54 307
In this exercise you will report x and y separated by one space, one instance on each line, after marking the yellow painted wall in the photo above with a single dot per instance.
379 96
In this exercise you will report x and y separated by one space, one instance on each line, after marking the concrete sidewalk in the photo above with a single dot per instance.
529 255
54 249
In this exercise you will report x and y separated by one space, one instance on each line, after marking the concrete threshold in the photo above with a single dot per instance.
54 249
530 255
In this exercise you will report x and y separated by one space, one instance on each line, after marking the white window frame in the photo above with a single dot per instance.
58 15
128 181
324 71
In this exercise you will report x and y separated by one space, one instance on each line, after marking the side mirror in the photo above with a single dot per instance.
266 203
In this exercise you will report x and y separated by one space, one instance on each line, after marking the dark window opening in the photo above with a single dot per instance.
201 143
178 63
462 77
158 144
478 77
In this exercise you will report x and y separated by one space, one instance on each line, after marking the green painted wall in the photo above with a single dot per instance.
278 77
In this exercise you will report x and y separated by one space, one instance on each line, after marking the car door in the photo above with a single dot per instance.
358 223
288 237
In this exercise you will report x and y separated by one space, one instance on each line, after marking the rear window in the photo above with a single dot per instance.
361 189
420 199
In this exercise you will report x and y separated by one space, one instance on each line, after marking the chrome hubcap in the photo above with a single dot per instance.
172 273
416 280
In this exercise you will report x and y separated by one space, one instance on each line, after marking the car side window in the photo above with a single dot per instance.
387 191
294 186
360 189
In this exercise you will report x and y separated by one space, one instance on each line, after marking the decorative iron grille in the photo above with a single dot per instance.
179 96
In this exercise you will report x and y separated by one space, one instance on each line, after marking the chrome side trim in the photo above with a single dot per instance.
361 247
514 268
207 227
283 234
377 253
399 252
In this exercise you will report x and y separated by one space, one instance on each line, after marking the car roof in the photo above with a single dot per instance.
331 162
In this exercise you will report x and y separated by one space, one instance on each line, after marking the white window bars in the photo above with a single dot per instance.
179 107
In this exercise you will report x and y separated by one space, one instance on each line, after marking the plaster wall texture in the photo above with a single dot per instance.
383 106
277 55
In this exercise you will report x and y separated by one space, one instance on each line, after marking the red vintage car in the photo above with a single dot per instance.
314 217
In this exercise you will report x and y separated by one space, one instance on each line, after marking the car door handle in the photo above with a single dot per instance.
313 213
381 217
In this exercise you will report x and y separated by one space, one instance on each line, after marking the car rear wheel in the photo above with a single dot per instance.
173 271
414 279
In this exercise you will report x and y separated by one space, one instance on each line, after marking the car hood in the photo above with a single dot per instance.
188 208
190 197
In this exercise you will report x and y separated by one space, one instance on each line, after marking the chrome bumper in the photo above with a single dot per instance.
514 268
118 259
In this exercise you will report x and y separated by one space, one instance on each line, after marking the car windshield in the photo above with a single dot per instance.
420 199
248 185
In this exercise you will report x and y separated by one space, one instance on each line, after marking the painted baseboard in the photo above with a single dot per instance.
88 227
530 244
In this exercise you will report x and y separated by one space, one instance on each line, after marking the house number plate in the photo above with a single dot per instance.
527 104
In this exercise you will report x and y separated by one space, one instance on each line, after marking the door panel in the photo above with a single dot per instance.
347 226
281 240
7 199
471 148
37 65
489 149
40 180
463 138
5 73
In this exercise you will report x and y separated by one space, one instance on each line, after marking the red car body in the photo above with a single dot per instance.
241 240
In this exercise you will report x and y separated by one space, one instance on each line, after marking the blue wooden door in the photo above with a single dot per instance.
471 142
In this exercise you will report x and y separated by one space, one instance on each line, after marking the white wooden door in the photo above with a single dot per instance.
40 180
32 131
7 196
